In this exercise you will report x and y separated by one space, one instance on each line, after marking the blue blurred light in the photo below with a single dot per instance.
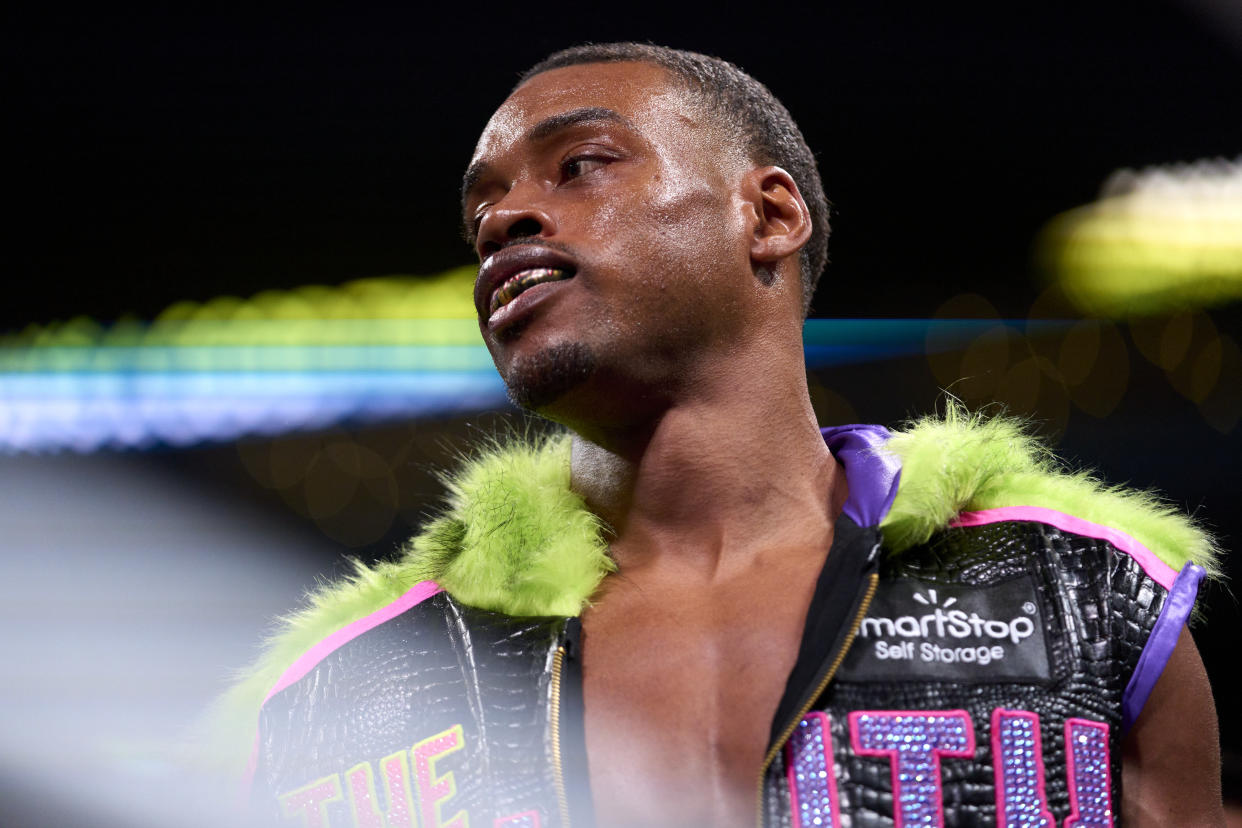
91 397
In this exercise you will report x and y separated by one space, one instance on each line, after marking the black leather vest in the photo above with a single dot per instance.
982 670
439 712
988 674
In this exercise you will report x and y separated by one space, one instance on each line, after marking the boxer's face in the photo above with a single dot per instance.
607 216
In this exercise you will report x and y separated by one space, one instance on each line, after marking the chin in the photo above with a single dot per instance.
537 381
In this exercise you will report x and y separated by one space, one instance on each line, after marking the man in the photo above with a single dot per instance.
700 610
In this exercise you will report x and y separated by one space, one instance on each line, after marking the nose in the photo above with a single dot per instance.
519 215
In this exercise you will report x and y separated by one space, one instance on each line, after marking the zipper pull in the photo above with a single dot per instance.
877 544
571 638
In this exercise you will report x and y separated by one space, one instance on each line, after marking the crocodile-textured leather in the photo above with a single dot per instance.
434 667
1098 609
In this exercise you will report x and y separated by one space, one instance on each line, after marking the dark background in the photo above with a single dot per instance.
177 155
165 156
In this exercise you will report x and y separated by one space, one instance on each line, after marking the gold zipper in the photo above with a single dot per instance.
873 581
558 771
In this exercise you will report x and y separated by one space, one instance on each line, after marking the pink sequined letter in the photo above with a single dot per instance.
914 741
1018 765
366 804
1090 777
812 778
433 788
310 801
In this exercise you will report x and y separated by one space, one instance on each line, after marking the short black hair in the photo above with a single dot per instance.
746 109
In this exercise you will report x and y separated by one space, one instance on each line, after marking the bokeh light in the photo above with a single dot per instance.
1158 240
309 359
280 361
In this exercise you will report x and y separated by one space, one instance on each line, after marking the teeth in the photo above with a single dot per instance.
519 282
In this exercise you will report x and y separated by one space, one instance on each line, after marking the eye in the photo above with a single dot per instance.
580 165
475 222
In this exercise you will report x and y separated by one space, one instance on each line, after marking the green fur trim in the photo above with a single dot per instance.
964 463
514 539
222 740
517 540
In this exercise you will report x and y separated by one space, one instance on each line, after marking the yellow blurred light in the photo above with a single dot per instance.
1159 239
392 310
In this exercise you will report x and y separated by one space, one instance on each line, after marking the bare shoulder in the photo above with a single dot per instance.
1171 758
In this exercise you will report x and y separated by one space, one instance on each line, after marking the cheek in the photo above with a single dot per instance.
680 231
675 260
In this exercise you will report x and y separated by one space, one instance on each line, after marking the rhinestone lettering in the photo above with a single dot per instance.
1018 764
914 741
812 777
310 801
1090 776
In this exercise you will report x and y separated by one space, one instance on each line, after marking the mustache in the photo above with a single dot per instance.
534 242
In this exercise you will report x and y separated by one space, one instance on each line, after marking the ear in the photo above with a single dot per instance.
782 220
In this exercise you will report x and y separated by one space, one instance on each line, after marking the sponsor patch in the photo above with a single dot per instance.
950 632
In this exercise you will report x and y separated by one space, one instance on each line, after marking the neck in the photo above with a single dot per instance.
717 478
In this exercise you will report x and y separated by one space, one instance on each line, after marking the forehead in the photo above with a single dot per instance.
644 94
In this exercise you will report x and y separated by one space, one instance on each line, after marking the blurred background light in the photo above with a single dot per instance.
1160 239
371 350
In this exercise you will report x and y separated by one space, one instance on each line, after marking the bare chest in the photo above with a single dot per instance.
680 692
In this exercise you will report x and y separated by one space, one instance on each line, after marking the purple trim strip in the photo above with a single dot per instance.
1177 606
873 474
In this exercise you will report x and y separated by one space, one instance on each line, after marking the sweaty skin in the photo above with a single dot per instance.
1171 758
696 433
674 353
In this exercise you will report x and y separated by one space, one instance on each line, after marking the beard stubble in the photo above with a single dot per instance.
537 381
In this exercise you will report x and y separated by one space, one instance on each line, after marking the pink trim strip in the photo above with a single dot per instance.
1157 569
414 596
526 819
247 783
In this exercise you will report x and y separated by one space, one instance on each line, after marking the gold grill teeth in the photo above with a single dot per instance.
516 284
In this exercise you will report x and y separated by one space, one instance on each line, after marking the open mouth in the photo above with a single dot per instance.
512 287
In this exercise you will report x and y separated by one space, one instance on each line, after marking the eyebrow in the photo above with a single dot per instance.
556 123
542 131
